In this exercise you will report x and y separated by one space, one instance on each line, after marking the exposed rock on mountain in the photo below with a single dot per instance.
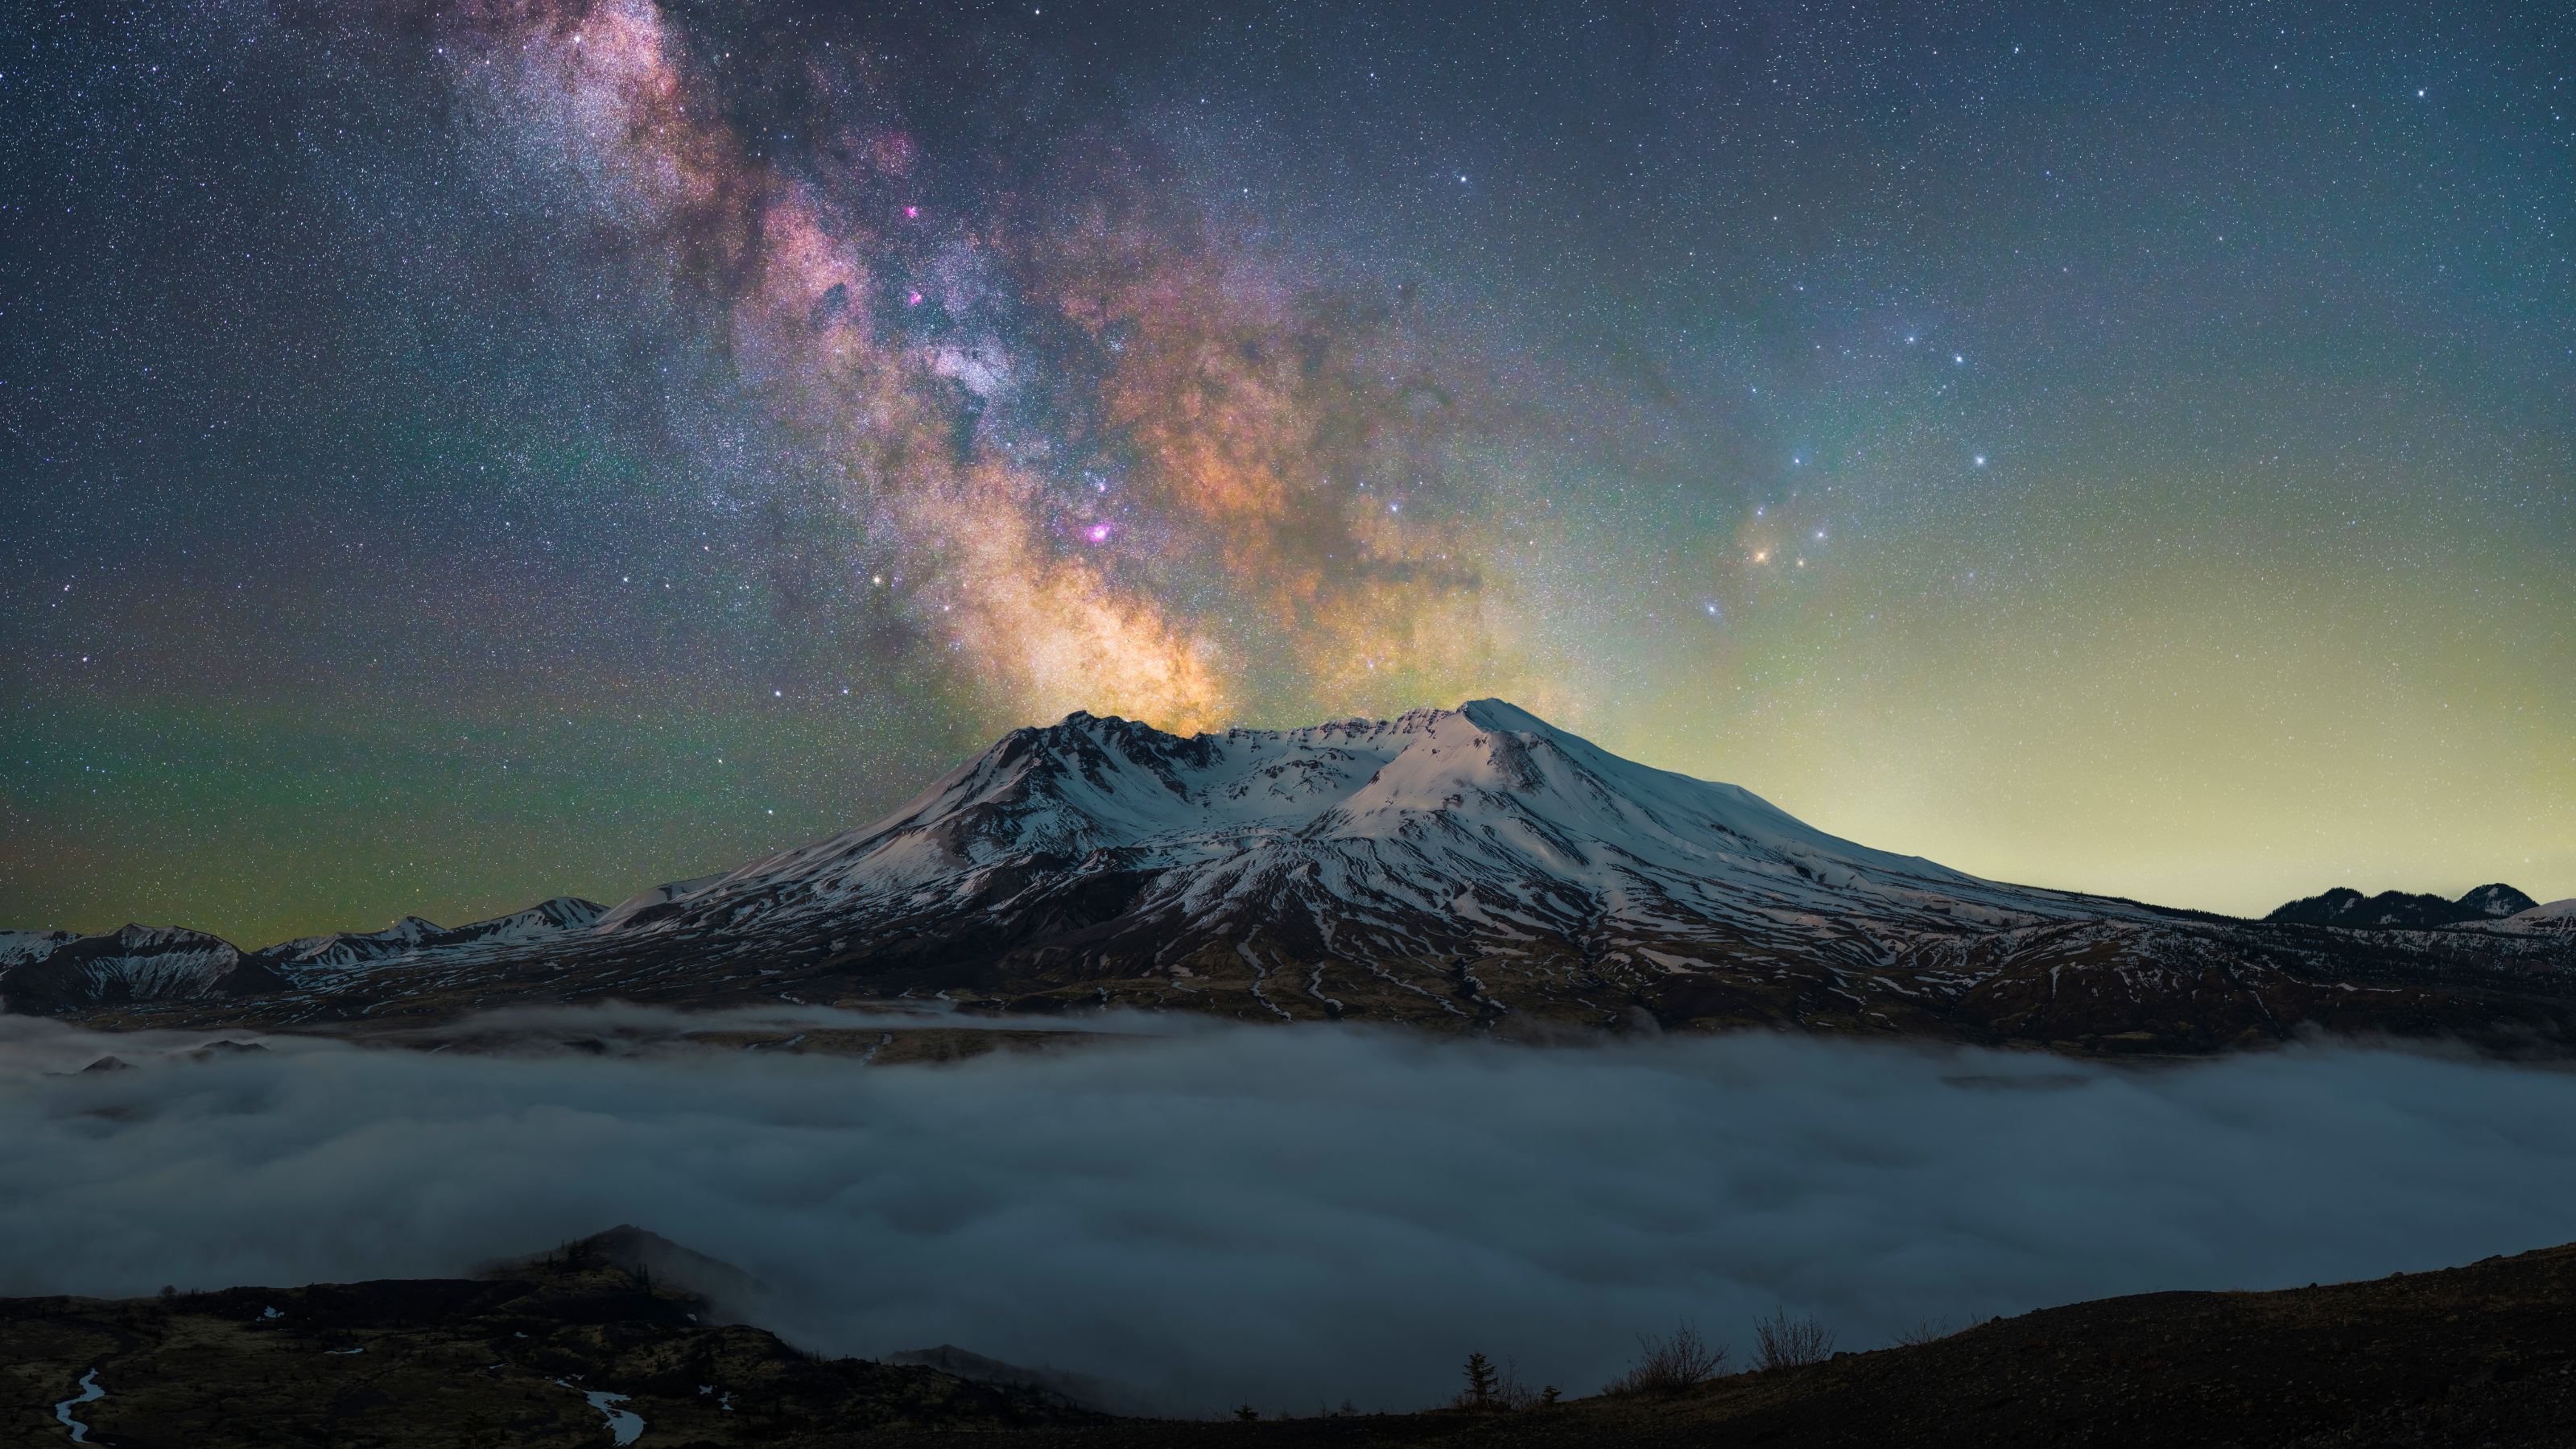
1469 869
134 965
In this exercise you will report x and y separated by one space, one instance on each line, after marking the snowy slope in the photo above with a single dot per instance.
18 947
167 963
1485 814
133 964
410 936
2555 917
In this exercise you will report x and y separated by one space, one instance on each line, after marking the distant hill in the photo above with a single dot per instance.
2343 906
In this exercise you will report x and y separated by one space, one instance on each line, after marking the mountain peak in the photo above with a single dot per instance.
1502 714
1434 807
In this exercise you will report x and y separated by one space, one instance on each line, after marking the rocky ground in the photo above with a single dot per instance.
2478 1356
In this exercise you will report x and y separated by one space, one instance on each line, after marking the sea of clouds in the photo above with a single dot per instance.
1296 1216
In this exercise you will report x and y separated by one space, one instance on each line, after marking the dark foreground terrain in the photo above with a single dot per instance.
508 1358
2483 1355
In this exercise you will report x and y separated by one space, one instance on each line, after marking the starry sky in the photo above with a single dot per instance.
459 452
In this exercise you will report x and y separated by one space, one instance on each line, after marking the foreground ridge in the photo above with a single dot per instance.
557 1347
578 1346
1475 869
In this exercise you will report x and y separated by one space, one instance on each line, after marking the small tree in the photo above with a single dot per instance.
1783 1342
1247 1413
1480 1383
1547 1397
1670 1365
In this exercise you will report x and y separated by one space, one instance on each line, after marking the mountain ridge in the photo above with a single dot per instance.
2344 906
1471 869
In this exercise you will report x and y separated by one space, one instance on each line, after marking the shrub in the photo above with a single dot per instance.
1670 1365
1780 1341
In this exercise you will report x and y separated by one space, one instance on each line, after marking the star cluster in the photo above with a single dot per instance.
458 453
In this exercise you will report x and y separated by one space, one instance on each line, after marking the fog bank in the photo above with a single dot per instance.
1293 1215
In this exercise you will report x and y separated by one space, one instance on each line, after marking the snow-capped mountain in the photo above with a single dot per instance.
1483 817
1474 867
17 947
146 964
412 935
2557 917
133 964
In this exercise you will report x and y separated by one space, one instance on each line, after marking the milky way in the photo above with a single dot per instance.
1106 459
461 453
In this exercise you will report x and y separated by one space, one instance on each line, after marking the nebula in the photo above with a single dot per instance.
1112 459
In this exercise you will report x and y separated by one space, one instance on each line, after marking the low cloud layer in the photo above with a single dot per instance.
1291 1215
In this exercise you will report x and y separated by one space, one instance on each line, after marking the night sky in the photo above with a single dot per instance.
462 453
